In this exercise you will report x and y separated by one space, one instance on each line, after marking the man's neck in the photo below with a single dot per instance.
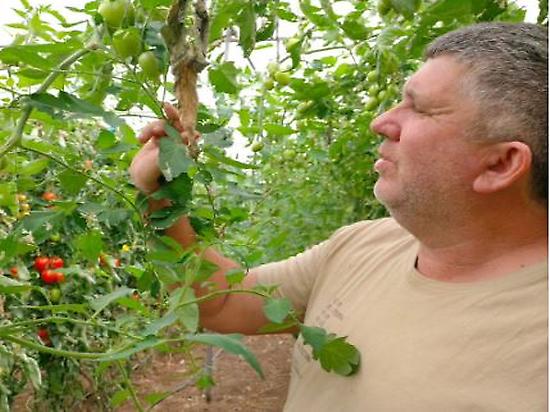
487 248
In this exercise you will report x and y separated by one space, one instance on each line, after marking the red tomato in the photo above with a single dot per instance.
41 263
56 262
14 271
44 336
49 196
117 262
49 276
60 277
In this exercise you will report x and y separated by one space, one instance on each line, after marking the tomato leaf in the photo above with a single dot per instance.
247 28
90 244
230 343
277 310
224 78
334 353
173 158
71 182
214 154
179 190
101 302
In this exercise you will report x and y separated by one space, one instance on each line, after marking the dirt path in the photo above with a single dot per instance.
238 387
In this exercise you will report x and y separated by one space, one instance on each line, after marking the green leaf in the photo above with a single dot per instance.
164 218
90 244
7 194
214 154
334 353
147 343
230 343
32 370
407 8
157 325
38 219
66 102
156 397
234 277
355 29
339 356
247 28
71 182
224 78
187 313
173 158
179 190
277 310
18 55
100 303
9 286
34 167
119 397
278 129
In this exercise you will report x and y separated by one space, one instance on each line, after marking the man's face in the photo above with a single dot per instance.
427 165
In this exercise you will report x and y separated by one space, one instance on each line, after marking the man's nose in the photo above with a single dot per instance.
387 125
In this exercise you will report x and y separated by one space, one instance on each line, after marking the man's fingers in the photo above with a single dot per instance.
153 129
173 116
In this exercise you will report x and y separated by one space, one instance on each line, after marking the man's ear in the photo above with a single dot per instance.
505 163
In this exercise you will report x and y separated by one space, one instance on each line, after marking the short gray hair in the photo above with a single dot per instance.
509 67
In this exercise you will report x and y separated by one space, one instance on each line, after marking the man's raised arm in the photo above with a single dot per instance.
227 313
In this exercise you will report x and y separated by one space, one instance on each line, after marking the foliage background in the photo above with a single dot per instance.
338 65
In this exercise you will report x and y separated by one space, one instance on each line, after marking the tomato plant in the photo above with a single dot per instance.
94 284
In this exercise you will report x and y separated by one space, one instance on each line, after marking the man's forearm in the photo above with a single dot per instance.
182 231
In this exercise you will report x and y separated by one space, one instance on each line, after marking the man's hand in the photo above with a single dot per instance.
144 170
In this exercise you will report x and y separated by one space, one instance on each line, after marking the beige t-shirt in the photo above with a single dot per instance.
425 345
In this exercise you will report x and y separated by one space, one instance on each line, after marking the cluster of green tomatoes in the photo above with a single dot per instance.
127 42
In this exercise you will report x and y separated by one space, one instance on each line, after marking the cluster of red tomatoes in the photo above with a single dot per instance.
47 266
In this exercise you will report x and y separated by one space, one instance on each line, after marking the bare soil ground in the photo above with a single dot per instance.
238 387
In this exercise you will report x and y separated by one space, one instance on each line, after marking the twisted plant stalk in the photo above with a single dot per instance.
188 47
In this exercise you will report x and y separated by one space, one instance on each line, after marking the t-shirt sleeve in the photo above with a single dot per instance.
296 276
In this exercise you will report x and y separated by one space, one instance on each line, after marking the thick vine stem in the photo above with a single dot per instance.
27 108
188 47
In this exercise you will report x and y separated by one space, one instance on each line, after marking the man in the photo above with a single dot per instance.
446 300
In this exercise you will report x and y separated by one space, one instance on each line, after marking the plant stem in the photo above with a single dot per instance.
130 387
54 319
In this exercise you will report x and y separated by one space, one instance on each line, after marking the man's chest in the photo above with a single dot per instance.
426 350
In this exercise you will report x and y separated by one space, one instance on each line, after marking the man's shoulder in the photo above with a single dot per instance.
369 233
385 227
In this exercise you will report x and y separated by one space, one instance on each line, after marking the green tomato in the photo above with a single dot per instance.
393 90
371 104
269 84
373 90
55 295
149 64
382 95
273 68
302 107
372 76
292 43
127 43
289 154
282 78
257 147
114 11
